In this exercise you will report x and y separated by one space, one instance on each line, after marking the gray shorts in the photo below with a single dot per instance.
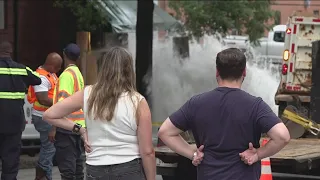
132 170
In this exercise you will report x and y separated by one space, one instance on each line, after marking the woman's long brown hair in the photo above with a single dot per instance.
115 76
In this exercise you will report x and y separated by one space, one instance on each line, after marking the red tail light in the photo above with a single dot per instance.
284 69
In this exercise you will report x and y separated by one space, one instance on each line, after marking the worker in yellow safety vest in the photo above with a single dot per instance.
41 97
69 145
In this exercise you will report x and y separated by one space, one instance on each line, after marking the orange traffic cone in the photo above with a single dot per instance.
266 173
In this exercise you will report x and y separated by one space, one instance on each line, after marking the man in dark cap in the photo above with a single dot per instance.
69 145
15 78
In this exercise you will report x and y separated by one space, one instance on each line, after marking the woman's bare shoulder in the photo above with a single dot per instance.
139 97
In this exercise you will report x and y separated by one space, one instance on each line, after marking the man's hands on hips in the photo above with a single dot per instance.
198 156
249 156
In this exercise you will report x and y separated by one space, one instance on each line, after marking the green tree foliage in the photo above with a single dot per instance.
89 16
208 17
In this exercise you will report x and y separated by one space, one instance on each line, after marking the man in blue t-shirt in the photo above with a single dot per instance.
225 121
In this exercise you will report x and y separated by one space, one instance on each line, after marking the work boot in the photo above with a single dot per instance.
40 174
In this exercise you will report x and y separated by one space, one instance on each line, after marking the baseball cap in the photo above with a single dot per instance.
72 51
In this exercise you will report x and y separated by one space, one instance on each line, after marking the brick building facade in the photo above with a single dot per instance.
7 21
286 8
35 28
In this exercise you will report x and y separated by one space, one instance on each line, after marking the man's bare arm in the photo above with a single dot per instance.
170 135
279 138
43 98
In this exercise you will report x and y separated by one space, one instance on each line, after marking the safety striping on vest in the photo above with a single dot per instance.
82 122
63 94
39 106
76 82
75 116
33 72
13 71
12 95
78 116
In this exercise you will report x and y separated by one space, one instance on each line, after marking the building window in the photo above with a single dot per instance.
316 12
2 19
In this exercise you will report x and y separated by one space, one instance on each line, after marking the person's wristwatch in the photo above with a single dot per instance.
76 128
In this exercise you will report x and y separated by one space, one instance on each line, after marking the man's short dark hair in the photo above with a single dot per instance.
231 63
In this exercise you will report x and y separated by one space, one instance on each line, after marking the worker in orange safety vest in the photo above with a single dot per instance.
41 96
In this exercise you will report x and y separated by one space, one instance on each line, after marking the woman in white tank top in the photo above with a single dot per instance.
118 133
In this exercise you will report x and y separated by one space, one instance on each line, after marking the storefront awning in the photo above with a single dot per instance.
122 15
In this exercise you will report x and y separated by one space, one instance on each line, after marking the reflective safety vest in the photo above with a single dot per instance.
53 79
14 73
65 88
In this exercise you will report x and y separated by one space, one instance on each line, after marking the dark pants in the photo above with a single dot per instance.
10 146
69 156
132 170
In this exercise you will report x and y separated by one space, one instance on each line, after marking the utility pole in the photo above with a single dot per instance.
144 37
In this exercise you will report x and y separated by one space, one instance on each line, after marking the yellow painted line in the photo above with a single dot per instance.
156 124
